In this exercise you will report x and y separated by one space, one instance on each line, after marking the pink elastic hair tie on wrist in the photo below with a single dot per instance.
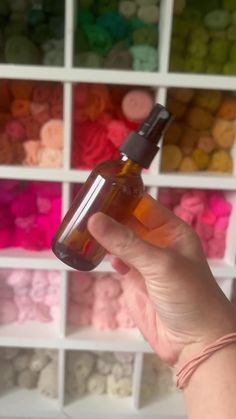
184 374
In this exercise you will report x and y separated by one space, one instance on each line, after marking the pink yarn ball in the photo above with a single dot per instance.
137 104
207 217
106 287
52 297
204 231
219 205
44 205
25 223
222 223
216 248
6 217
26 308
32 149
39 285
45 189
79 316
80 282
104 321
117 132
8 312
192 202
184 214
52 134
83 298
124 320
16 130
5 238
20 280
42 313
24 205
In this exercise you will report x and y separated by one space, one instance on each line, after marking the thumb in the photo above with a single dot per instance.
122 242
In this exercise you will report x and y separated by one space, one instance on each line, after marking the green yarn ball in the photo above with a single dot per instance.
232 54
217 20
177 46
218 34
176 63
231 33
192 15
197 48
200 33
219 50
99 39
136 23
20 50
229 69
145 58
213 68
194 65
180 28
85 17
229 5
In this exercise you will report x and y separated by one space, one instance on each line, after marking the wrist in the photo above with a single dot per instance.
207 337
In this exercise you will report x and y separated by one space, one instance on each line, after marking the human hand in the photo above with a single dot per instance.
169 288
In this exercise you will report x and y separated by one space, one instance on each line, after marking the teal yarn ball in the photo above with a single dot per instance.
115 24
36 17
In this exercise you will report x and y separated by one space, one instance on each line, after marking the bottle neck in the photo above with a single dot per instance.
130 166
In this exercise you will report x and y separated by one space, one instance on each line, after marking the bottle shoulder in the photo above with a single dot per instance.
116 172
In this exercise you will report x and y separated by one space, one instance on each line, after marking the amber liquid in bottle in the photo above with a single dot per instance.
114 188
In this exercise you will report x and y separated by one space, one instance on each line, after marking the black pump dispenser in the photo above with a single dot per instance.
141 146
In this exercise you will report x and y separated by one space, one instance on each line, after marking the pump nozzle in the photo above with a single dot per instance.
141 146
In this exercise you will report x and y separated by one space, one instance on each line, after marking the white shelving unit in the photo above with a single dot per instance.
25 404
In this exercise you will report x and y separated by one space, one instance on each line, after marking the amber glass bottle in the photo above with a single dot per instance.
114 188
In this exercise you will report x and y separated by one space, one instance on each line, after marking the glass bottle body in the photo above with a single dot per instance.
114 188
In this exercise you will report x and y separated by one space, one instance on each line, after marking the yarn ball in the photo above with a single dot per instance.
171 158
137 104
14 129
52 134
199 118
95 147
96 384
145 58
20 50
